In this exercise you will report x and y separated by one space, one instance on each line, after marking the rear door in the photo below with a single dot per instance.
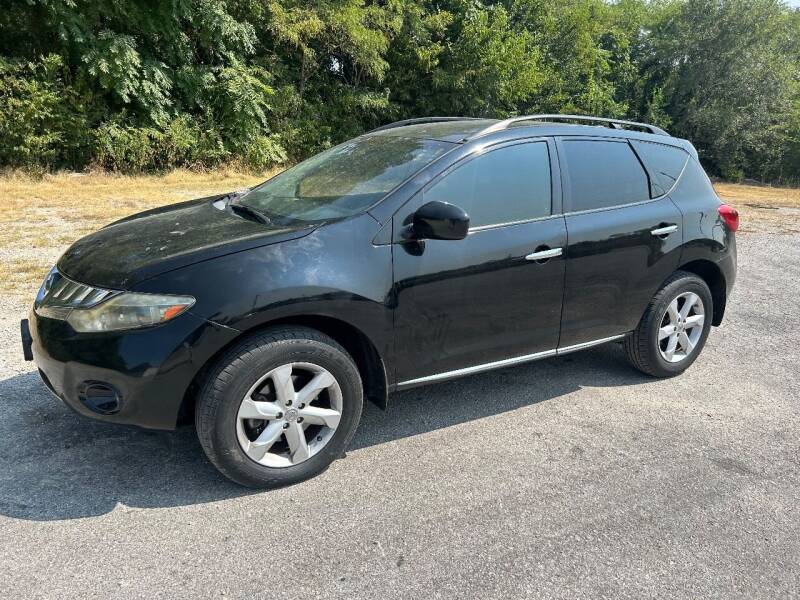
463 304
624 238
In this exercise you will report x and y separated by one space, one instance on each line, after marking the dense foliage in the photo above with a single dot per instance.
151 84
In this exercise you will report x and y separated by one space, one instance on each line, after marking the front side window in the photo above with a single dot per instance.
603 174
506 185
344 180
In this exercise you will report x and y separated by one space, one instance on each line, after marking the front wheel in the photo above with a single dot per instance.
279 407
674 327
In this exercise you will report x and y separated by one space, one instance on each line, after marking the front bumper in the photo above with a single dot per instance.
135 377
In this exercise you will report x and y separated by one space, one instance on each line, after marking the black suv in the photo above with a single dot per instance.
419 252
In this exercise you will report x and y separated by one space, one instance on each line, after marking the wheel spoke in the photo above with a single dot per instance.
672 345
284 386
296 437
690 301
321 416
261 445
312 389
686 343
695 321
251 409
672 311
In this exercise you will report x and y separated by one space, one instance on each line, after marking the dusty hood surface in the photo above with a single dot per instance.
153 242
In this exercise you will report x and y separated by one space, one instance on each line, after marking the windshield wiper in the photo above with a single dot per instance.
249 212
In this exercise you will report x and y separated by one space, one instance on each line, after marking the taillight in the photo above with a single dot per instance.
730 215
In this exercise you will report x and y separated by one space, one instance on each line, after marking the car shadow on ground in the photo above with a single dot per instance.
56 465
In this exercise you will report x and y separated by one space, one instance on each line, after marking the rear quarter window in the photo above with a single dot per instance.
602 174
665 164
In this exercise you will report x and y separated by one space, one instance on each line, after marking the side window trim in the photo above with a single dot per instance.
555 178
480 228
567 187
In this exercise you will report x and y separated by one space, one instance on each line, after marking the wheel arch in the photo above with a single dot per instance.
370 363
710 272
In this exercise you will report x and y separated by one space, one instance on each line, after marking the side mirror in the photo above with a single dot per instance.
440 221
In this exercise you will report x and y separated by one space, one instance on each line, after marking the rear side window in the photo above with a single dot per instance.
665 164
603 174
502 186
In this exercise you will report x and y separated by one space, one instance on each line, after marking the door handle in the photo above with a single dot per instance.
664 230
544 254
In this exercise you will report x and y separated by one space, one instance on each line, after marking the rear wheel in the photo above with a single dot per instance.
279 407
674 328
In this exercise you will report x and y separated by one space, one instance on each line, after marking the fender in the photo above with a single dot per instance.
335 273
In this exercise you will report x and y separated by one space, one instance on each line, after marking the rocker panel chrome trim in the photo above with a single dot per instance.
505 362
576 347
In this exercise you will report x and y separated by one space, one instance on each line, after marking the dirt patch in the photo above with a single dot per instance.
763 208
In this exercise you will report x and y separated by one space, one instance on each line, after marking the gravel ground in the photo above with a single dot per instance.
574 477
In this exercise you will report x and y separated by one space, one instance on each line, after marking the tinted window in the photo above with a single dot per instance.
665 164
502 186
344 180
603 174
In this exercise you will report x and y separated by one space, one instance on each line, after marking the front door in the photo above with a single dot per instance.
495 295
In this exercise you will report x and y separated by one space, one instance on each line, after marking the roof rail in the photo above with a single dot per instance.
421 120
612 123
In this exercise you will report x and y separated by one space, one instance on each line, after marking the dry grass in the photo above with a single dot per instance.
39 218
763 208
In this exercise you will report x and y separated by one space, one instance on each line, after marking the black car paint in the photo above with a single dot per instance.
334 272
478 300
614 266
424 307
151 368
157 241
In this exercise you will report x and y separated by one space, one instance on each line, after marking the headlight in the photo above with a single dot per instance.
128 311
47 284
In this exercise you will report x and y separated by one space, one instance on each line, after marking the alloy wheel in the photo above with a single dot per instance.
289 414
681 327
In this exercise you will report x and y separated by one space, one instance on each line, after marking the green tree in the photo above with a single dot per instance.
463 58
726 74
142 85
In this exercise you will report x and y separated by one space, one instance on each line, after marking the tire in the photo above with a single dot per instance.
649 354
258 368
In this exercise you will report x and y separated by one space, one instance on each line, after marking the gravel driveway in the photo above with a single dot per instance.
573 477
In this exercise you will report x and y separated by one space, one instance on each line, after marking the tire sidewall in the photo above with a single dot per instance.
672 291
249 369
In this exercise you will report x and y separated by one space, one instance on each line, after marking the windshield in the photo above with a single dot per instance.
344 180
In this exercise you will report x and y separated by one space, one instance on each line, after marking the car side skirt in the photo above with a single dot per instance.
498 364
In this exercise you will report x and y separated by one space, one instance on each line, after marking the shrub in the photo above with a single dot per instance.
41 123
121 148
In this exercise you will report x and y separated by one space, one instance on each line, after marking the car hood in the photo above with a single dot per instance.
156 241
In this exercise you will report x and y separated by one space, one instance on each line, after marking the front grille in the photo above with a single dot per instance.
66 292
59 295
